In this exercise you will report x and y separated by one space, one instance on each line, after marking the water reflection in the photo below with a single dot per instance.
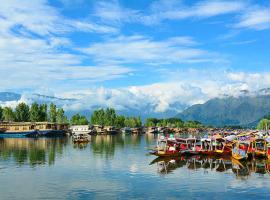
31 151
208 164
106 145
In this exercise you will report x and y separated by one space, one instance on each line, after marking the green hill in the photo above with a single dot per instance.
243 110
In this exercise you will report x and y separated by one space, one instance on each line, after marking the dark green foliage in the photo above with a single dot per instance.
52 113
193 124
8 114
120 121
108 117
22 113
170 122
78 120
34 113
264 123
43 113
1 113
60 116
133 122
98 117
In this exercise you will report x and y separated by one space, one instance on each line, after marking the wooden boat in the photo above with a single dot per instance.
80 138
240 150
152 130
206 146
126 130
2 130
221 146
166 147
189 145
110 130
268 151
83 129
259 148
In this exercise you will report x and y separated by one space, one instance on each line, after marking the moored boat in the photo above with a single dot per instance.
166 147
240 150
189 145
80 138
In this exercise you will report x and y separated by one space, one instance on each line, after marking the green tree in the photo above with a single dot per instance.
43 113
8 114
98 117
22 113
152 122
193 124
52 113
120 121
60 116
78 120
34 113
110 117
1 114
264 124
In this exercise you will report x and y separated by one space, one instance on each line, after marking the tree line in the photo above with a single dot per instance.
264 124
173 123
34 113
104 117
108 117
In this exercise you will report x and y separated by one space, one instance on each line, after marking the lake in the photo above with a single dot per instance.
119 167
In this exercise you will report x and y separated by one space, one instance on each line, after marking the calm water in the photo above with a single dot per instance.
118 167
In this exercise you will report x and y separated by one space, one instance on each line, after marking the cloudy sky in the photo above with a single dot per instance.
124 53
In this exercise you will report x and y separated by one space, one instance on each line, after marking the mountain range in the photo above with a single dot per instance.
245 109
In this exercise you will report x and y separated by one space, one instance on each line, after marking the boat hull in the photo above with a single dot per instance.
19 134
165 154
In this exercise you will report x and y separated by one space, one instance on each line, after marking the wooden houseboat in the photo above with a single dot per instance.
84 129
33 128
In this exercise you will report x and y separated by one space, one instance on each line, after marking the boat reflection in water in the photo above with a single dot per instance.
209 163
32 151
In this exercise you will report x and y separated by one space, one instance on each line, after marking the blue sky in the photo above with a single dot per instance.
163 52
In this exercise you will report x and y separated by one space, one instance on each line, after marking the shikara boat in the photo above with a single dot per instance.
189 145
206 146
166 147
259 148
80 138
221 146
240 150
268 151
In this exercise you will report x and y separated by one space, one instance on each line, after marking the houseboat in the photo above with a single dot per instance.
77 129
110 130
126 130
29 129
152 130
98 129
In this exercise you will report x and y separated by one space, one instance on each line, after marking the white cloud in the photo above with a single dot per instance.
166 10
40 18
113 12
191 87
134 49
255 18
36 53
